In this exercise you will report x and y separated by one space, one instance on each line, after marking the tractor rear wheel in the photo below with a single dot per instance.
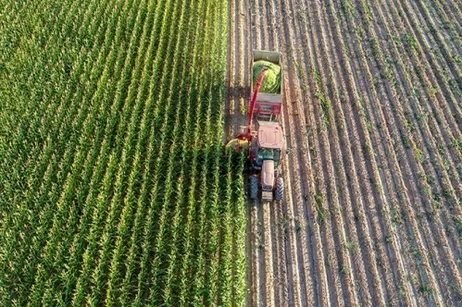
253 186
279 188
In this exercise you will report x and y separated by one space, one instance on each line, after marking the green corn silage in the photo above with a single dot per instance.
272 81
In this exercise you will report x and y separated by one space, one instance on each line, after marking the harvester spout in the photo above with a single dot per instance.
248 136
254 100
243 139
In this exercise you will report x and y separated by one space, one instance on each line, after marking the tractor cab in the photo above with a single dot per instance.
267 154
268 144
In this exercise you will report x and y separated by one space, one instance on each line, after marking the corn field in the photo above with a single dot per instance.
114 185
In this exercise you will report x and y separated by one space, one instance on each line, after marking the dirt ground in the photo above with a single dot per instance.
373 121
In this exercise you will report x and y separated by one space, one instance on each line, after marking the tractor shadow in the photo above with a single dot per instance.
235 110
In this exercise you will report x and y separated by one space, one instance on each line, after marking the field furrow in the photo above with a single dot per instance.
372 120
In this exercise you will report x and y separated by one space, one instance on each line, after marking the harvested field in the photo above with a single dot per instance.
373 122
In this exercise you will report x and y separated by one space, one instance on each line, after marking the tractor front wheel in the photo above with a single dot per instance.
253 186
279 188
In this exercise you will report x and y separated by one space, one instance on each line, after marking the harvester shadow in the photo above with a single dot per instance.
236 107
197 185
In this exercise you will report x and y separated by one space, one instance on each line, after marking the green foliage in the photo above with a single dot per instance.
322 212
458 222
111 156
351 245
272 81
326 106
425 289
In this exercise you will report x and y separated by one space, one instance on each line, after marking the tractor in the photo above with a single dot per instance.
265 139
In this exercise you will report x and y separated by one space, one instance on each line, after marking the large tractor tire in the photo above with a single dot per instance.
253 187
279 194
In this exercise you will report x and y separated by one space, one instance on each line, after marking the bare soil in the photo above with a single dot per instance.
373 120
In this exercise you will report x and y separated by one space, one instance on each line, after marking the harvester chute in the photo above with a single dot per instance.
265 139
